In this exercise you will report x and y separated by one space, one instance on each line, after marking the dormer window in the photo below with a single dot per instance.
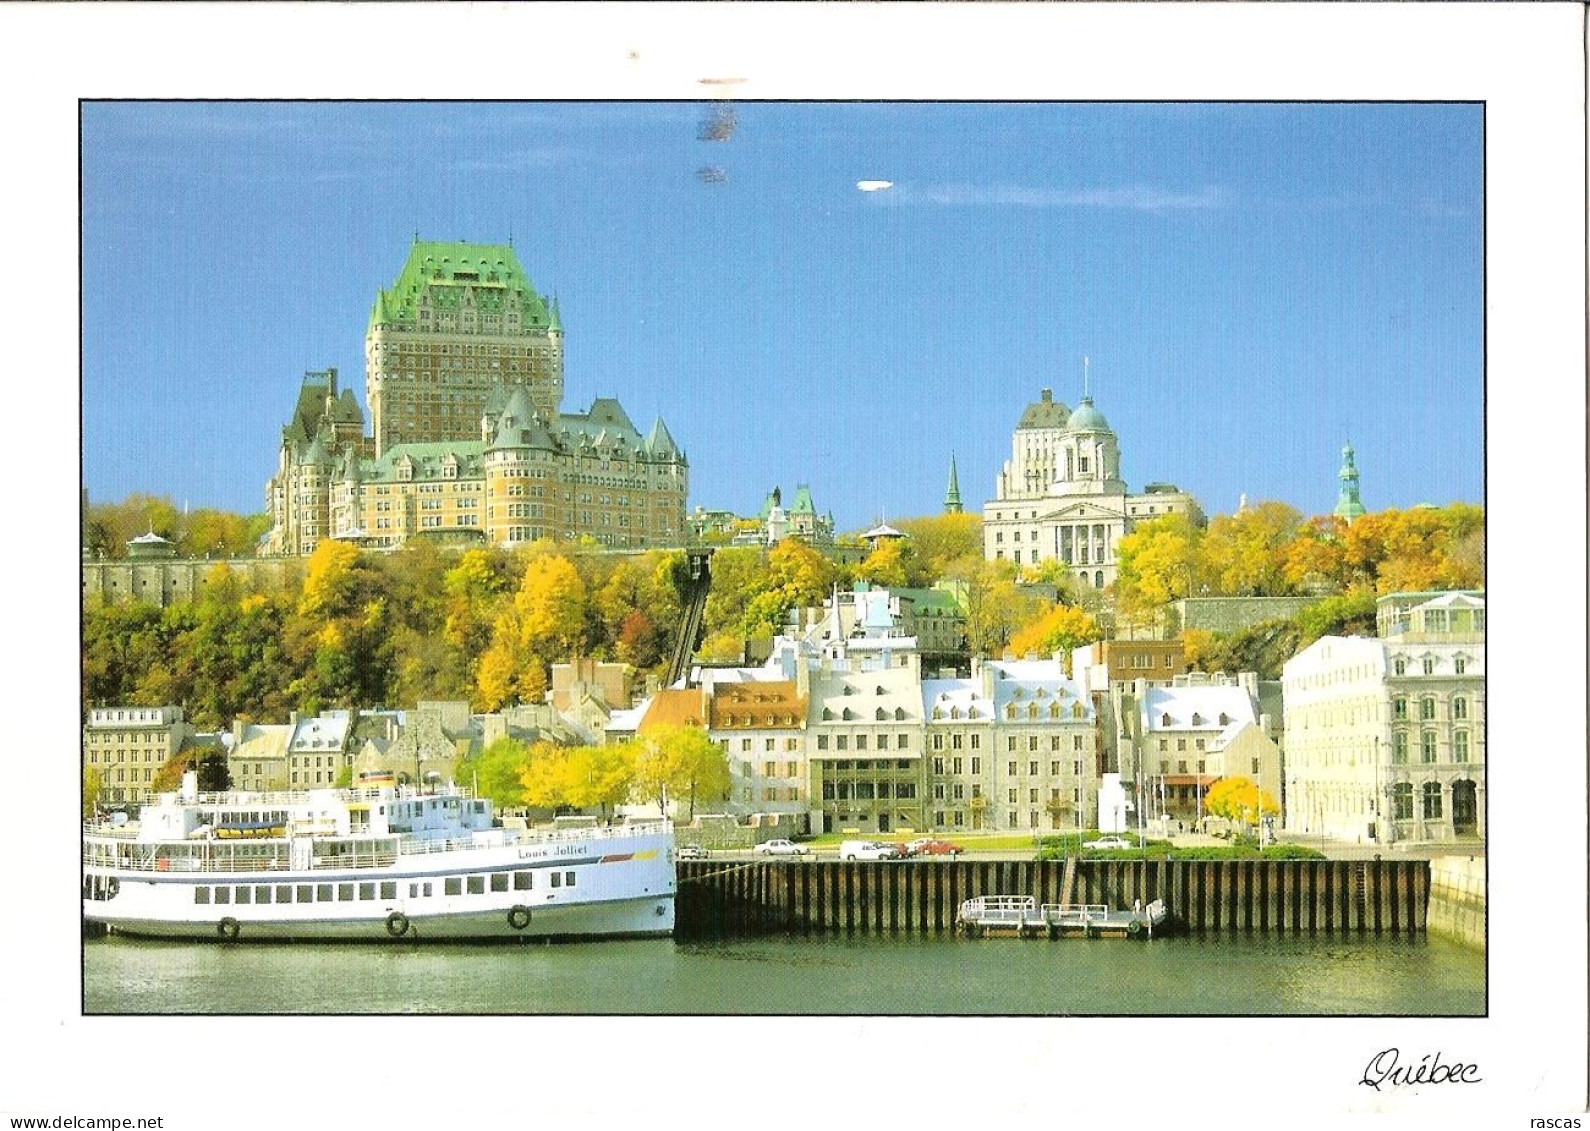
899 714
881 715
828 715
1225 719
1164 720
1197 719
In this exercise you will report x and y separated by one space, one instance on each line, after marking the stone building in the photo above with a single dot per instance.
464 377
1177 740
1061 497
1385 737
126 746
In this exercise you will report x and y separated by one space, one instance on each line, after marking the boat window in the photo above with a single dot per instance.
262 895
557 879
388 889
453 886
426 890
201 894
305 894
414 891
344 891
323 892
499 881
568 879
477 885
521 881
367 891
284 893
223 895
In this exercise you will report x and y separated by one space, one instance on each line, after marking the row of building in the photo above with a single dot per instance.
1371 740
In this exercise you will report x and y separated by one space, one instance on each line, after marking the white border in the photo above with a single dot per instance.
1524 60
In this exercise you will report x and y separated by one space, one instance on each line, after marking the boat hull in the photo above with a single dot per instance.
601 887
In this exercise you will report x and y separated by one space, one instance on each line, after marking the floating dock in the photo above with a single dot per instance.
1025 917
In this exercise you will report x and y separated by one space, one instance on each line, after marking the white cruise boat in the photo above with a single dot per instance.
369 863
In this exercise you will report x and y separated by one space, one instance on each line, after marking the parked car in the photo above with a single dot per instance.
931 846
1109 842
780 848
869 850
690 852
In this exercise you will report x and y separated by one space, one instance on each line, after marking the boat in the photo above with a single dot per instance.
383 862
1023 915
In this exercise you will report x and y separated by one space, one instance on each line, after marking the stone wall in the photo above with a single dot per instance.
1457 899
1226 615
168 582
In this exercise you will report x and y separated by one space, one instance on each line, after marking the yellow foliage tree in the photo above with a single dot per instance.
1156 563
1061 629
1239 799
328 577
551 605
679 762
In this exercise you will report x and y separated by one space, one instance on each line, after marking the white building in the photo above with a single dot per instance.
1061 497
1385 737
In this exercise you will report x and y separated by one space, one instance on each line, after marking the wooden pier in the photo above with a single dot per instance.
729 898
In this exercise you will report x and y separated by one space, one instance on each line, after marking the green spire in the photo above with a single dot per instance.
952 497
1348 505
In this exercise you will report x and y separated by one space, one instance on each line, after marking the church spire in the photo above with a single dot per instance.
952 497
1348 505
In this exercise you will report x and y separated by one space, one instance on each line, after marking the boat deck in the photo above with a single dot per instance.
1023 916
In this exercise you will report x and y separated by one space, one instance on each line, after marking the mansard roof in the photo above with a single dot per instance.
452 276
427 460
1045 412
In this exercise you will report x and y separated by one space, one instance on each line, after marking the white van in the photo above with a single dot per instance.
868 850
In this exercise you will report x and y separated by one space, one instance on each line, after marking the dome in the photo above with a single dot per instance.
1087 418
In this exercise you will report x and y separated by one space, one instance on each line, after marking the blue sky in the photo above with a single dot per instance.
1254 284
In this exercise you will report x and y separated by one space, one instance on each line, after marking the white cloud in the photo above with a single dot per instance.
1142 198
874 186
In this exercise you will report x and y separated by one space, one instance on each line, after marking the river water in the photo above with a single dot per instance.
1261 975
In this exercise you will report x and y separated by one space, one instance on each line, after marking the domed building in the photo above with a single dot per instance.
1061 497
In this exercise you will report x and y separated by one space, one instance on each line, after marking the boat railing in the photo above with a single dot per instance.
418 845
998 908
1075 912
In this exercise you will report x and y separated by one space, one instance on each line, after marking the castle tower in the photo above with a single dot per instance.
952 497
1348 505
460 319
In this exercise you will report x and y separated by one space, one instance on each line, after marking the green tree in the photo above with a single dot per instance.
93 784
497 772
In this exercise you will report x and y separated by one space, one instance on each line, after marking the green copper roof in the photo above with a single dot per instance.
1348 505
426 460
455 276
1087 418
952 497
803 501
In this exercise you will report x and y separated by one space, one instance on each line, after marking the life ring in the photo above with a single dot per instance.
112 887
227 928
397 924
518 916
1134 928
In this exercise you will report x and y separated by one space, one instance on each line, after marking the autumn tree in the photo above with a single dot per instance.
994 605
93 783
579 777
680 762
1244 554
1061 629
941 540
1241 800
498 769
208 761
1156 563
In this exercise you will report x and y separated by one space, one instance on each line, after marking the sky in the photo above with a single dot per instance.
1254 285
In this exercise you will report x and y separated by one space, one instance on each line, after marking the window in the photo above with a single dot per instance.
306 894
568 879
1399 708
1427 746
1010 768
1460 746
1032 768
499 881
1399 666
1432 800
201 895
1460 665
938 742
977 766
367 891
1402 801
1460 708
1427 708
1054 767
1399 749
345 892
453 885
389 889
938 765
